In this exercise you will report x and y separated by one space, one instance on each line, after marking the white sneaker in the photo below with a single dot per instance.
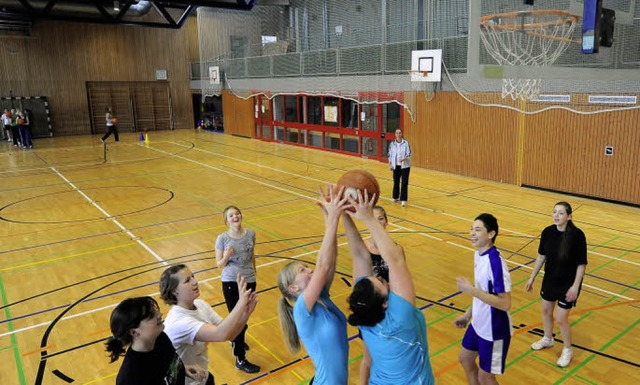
396 200
565 357
403 204
543 343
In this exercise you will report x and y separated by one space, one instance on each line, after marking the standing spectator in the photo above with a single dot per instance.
15 135
235 255
28 118
400 163
23 129
489 334
6 123
112 125
563 252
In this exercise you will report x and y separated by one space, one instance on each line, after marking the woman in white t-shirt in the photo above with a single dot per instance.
191 323
6 122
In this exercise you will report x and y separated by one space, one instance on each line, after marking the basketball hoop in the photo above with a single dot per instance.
527 38
420 83
419 76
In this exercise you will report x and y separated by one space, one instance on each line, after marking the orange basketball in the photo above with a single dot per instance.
360 180
114 120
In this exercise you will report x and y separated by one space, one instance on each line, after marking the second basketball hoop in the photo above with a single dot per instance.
426 65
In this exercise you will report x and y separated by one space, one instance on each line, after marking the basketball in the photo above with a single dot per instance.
114 120
359 180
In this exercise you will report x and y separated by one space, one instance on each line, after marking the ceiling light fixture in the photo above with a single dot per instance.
116 5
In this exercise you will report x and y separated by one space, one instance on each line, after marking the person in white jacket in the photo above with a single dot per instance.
400 163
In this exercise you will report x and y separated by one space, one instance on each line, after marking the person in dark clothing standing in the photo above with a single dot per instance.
563 252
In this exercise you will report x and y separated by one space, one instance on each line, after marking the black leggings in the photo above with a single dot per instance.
231 296
401 183
111 129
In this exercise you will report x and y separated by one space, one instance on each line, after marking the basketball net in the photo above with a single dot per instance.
534 38
420 84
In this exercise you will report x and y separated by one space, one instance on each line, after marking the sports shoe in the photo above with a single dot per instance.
102 140
396 200
565 357
247 366
543 343
403 203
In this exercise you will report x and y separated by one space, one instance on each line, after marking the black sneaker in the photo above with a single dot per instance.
247 366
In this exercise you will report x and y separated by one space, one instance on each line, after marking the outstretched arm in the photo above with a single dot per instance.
231 326
359 252
332 204
400 281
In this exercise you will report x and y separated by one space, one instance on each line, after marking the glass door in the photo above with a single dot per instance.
263 118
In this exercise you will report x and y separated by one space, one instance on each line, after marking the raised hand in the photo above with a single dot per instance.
363 206
332 202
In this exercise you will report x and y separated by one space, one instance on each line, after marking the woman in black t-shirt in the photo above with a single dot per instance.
563 251
151 358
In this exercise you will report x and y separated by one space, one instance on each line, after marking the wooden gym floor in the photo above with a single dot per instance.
79 234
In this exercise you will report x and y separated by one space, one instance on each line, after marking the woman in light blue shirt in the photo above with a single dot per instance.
393 329
306 311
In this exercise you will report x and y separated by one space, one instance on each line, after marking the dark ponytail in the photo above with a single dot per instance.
366 304
115 348
126 316
568 235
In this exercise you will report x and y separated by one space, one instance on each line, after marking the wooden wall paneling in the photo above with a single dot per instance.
121 105
143 104
60 58
561 150
161 107
452 135
138 105
98 98
564 151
